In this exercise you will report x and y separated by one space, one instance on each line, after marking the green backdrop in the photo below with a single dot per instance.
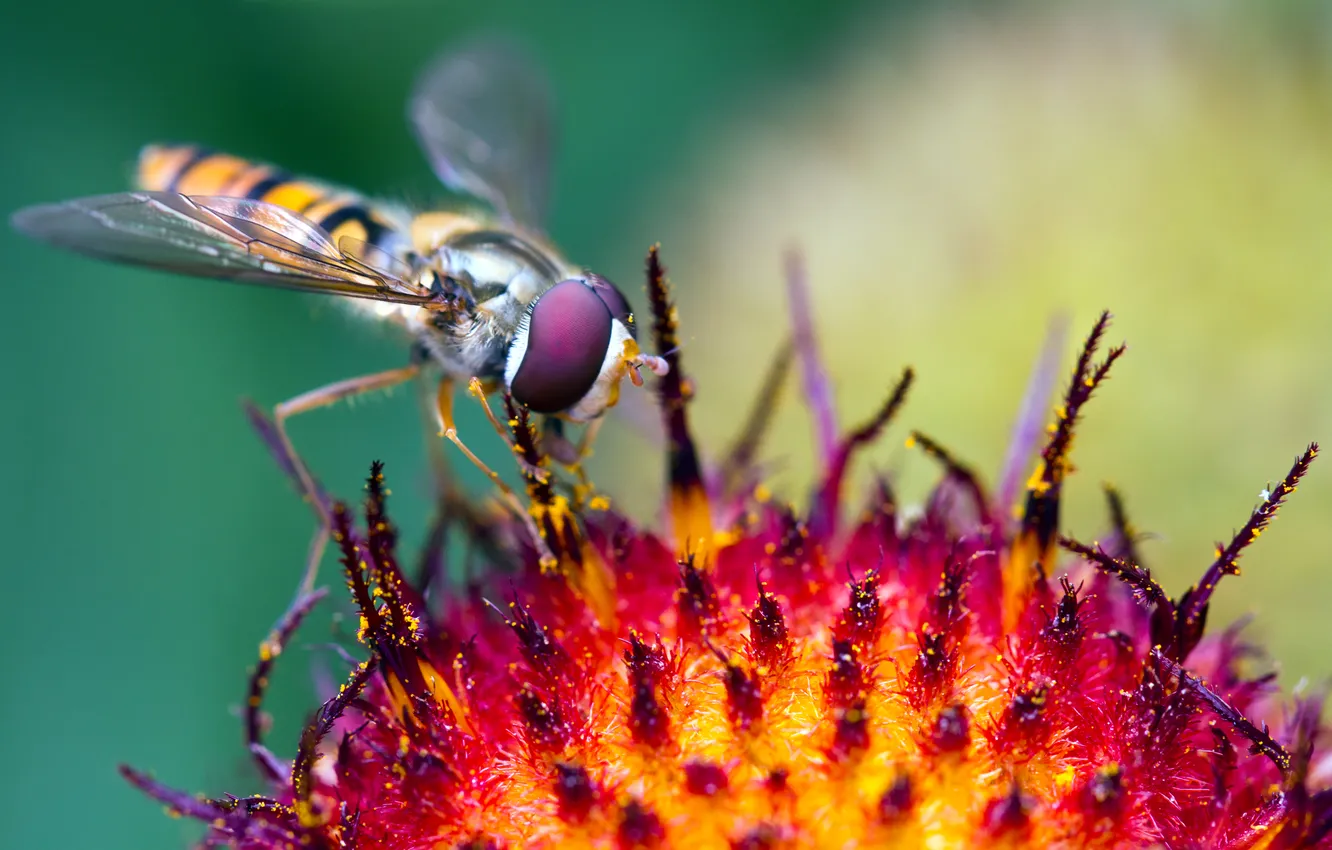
151 540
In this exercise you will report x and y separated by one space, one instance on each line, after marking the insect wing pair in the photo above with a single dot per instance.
483 118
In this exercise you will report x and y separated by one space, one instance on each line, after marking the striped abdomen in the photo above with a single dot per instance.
193 170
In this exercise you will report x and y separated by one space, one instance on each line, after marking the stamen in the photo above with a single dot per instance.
1028 426
1008 814
269 765
851 735
896 801
640 828
1103 793
547 730
1139 579
307 752
1032 551
818 390
823 515
691 512
739 463
705 779
951 732
177 801
1260 739
953 468
697 600
557 522
1194 603
575 791
860 620
1126 544
768 641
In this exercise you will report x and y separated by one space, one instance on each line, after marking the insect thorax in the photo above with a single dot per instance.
500 273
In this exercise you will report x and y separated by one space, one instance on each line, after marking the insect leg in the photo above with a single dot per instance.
323 397
449 430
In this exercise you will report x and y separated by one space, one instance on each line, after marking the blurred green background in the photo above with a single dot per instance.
955 176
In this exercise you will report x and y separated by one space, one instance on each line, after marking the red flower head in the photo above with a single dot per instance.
764 676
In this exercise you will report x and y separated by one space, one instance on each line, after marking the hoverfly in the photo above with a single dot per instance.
481 294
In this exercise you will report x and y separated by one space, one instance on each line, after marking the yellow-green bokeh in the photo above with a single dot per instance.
957 182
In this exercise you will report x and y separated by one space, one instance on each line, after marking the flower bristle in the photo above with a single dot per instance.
766 676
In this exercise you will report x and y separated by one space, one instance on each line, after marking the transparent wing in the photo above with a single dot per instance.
227 238
483 117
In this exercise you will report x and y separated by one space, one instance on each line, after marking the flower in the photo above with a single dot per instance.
765 676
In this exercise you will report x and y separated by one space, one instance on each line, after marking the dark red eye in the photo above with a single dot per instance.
614 300
556 359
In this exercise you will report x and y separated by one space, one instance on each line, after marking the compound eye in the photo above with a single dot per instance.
614 300
560 348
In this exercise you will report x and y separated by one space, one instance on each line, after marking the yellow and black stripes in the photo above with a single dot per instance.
194 170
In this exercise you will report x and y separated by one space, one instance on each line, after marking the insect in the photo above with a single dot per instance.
485 299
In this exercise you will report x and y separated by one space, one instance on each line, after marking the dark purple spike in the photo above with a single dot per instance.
649 722
861 618
697 600
1027 709
1302 729
1224 761
575 792
1080 389
684 472
1261 741
762 837
738 467
792 535
645 660
778 780
705 778
639 829
1139 579
177 801
955 470
401 602
769 642
354 559
846 682
897 800
1008 814
543 654
1192 607
547 730
931 676
1064 631
258 807
744 699
823 516
269 766
946 612
1029 426
818 389
478 842
1040 516
531 461
1126 536
951 732
851 735
1103 794
307 751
